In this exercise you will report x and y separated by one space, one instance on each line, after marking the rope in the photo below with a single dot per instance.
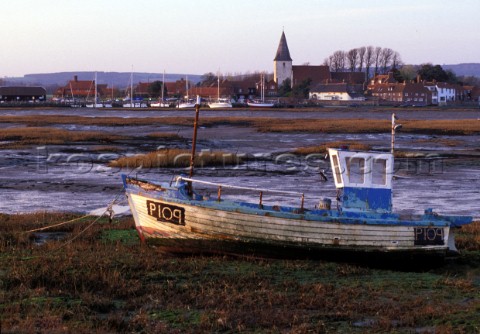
238 187
55 225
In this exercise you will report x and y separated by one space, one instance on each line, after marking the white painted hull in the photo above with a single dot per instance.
95 105
260 105
159 105
208 224
219 105
186 105
135 105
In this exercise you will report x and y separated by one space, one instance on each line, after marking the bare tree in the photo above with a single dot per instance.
338 61
396 60
377 57
368 61
352 59
361 57
364 58
386 59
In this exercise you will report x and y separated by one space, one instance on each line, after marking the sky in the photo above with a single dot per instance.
225 36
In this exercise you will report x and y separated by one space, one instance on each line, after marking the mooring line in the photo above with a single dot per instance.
55 225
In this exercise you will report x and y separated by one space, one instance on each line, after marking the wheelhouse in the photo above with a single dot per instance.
363 180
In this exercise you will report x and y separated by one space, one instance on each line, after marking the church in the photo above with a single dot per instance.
284 69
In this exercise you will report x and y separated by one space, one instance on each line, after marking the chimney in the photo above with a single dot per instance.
75 78
419 79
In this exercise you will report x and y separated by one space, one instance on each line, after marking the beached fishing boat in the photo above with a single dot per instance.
359 220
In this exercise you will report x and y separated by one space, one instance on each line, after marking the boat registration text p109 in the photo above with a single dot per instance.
429 236
166 212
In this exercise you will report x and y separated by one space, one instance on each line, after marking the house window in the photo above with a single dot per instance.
406 94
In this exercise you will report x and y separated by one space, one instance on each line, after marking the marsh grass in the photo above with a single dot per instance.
323 148
266 124
176 158
469 237
105 281
24 136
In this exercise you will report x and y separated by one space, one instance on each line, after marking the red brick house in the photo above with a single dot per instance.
83 89
402 93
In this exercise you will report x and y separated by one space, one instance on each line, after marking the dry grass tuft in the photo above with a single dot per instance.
439 127
167 158
469 237
47 135
353 145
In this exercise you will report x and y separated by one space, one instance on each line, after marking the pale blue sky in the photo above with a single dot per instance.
200 36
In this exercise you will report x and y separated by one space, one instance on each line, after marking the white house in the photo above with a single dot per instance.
442 92
337 91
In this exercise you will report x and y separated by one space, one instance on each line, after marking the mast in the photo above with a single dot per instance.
163 84
194 142
131 88
218 88
263 88
95 99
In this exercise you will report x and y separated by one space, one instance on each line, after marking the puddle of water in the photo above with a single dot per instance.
41 238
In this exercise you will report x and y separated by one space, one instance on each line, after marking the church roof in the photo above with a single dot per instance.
283 54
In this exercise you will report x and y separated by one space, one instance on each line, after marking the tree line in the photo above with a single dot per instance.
366 59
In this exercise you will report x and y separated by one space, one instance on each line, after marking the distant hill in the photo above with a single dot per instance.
116 79
467 69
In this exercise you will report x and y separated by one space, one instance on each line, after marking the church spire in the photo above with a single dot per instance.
283 54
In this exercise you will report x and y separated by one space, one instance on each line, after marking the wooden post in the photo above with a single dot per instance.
394 128
393 134
194 143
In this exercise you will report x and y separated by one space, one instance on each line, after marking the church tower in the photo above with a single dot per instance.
282 64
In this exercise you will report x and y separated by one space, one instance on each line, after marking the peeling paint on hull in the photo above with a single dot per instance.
227 227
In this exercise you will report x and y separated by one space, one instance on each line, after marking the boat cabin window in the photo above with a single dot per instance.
356 169
336 166
379 171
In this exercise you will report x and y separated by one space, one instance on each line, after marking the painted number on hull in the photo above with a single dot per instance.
166 212
429 236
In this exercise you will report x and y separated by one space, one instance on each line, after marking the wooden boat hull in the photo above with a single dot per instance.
165 217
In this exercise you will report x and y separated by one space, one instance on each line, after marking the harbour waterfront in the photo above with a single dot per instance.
76 178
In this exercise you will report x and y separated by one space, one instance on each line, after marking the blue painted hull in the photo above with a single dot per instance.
168 216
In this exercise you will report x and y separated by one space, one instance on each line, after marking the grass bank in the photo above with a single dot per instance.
175 158
104 281
25 136
266 124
